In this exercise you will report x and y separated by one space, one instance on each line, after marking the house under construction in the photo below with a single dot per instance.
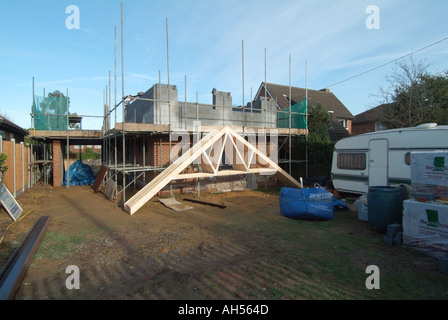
158 129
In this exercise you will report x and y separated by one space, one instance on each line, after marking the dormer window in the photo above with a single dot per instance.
344 123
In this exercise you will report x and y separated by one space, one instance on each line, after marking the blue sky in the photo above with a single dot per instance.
205 47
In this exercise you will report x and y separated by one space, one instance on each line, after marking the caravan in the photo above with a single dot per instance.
382 158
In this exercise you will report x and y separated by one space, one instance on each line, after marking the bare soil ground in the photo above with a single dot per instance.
245 251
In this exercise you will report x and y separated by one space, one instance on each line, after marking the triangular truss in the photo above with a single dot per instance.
208 154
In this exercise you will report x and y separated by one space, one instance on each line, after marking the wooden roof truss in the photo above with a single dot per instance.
243 157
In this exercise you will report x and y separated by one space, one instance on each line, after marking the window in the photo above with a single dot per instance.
352 161
379 126
407 158
344 123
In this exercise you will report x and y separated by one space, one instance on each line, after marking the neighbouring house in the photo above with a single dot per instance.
341 117
9 130
368 121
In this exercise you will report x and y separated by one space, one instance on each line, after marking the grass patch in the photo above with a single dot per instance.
270 190
56 245
328 260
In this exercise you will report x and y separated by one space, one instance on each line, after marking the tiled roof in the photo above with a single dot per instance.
12 127
371 115
337 131
326 98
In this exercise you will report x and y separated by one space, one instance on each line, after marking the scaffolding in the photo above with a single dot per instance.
50 117
122 142
126 133
119 143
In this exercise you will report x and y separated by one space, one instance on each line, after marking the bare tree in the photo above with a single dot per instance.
414 96
4 115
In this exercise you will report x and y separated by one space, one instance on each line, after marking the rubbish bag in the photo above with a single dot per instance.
80 174
306 203
339 204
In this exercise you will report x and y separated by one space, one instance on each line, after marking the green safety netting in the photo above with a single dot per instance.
50 113
297 114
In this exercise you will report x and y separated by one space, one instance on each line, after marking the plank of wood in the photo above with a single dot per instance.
95 134
221 173
99 179
221 206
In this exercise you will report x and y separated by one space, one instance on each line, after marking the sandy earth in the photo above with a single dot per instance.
158 253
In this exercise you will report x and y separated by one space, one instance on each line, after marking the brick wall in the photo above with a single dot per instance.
57 164
350 126
157 153
360 128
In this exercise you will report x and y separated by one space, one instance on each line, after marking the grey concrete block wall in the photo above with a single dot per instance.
183 115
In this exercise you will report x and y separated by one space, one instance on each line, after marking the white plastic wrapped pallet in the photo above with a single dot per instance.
429 173
425 227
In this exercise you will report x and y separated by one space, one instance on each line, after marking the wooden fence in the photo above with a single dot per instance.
19 175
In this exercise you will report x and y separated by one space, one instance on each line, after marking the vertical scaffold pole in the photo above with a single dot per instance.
68 146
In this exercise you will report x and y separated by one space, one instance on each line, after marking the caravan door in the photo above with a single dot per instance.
378 152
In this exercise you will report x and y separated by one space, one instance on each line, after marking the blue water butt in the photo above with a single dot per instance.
384 207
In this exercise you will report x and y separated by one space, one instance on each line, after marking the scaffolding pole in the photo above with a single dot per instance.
290 98
306 118
123 109
68 145
169 97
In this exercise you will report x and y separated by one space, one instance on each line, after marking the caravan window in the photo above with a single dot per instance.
352 161
407 158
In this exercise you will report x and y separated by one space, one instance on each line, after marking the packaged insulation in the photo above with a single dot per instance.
425 227
429 174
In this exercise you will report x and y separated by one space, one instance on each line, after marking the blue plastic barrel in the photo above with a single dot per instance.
384 207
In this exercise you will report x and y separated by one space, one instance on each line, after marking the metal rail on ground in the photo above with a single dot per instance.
15 269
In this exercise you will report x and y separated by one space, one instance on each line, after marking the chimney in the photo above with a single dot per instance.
325 90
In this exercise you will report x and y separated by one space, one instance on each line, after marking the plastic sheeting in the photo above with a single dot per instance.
79 174
298 116
50 113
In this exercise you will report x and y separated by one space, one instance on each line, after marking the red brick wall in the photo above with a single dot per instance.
57 164
157 153
360 128
349 126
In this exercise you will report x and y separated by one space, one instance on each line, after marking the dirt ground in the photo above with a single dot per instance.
240 252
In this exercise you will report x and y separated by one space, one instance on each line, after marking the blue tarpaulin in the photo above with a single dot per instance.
79 175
